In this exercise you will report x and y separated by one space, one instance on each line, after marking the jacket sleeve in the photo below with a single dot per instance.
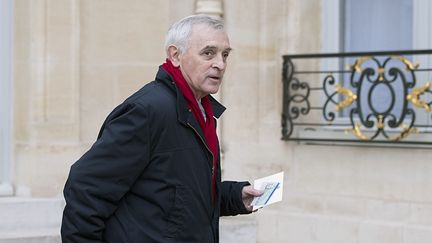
231 198
102 176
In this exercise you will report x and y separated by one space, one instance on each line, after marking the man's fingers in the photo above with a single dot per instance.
256 192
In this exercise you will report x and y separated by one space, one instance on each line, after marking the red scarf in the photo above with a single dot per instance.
207 126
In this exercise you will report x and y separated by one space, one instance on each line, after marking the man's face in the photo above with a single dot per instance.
203 64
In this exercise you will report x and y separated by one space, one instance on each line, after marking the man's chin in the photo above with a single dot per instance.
214 91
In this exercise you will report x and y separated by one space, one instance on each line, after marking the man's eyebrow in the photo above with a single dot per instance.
215 47
209 47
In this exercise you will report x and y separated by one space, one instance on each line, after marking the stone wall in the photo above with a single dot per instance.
74 62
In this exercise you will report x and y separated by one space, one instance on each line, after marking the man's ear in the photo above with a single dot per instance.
173 55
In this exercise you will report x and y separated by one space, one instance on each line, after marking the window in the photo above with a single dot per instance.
369 25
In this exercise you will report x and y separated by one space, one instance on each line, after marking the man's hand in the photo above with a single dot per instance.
248 194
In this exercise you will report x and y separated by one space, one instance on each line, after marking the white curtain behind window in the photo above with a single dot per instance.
378 25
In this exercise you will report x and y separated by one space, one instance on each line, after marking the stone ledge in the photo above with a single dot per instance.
29 214
31 236
34 239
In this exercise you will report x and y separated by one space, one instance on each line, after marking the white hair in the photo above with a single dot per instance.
179 33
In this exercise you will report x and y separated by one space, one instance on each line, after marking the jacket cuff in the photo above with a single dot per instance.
243 209
231 198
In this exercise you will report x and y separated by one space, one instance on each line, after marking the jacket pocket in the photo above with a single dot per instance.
176 217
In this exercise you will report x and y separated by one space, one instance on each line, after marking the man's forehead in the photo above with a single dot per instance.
206 37
203 29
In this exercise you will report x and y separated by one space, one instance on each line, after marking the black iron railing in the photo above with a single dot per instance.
364 97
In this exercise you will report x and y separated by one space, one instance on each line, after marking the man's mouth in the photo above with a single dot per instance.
215 77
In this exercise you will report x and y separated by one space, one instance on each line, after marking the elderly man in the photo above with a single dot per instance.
153 175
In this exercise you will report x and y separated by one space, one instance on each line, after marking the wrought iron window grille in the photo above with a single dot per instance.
364 98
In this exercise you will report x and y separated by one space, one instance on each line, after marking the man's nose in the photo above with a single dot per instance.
219 62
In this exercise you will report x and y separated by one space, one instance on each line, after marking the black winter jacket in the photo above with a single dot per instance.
148 176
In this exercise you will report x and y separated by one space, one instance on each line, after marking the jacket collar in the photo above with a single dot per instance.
182 106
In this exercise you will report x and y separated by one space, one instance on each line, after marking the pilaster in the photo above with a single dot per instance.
6 97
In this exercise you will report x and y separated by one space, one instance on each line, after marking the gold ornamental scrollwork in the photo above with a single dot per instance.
406 130
408 64
357 64
357 132
381 73
380 123
350 97
414 97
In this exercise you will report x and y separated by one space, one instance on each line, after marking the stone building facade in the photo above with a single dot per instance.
73 61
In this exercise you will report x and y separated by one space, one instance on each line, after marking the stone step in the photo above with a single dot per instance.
30 220
31 236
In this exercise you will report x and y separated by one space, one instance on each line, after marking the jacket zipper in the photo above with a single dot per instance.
212 157
205 144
